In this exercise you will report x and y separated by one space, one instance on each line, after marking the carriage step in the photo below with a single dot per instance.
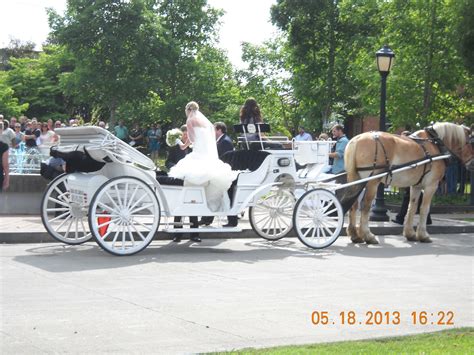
203 230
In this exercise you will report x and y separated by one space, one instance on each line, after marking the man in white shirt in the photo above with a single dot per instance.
7 136
303 136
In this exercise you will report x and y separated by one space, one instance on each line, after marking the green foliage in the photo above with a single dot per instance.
9 105
117 46
36 82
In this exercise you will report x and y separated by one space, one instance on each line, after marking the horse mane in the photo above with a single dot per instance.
451 134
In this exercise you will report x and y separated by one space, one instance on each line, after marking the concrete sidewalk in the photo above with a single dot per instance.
29 229
226 294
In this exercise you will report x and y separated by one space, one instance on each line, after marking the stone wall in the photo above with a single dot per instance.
24 195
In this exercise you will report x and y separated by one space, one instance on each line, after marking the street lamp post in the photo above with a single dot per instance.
385 58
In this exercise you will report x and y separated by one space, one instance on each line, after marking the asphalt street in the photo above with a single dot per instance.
228 294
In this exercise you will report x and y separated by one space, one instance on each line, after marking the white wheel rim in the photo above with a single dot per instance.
272 215
319 218
124 216
64 220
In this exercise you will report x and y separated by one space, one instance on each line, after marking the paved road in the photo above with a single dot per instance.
224 294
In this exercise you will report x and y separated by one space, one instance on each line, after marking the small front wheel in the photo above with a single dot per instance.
64 218
124 215
318 218
270 218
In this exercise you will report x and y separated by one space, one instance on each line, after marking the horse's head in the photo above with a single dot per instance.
458 140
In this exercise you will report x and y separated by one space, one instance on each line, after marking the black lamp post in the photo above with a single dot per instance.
385 59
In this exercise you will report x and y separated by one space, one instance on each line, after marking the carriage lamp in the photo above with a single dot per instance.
284 162
385 59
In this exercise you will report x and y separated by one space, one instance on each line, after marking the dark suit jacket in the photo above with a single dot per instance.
224 145
175 154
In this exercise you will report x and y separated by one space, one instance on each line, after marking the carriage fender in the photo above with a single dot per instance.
85 185
256 194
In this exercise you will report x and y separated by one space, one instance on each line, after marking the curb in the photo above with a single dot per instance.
44 237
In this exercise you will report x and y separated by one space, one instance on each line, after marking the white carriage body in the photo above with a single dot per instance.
124 199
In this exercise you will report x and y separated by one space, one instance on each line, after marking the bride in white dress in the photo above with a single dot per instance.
202 166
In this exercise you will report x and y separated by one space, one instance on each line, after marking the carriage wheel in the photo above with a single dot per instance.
271 217
65 220
318 218
124 215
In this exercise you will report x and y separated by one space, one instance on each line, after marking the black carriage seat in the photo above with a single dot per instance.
164 179
77 161
245 159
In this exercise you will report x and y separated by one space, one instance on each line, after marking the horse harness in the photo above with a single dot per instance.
433 138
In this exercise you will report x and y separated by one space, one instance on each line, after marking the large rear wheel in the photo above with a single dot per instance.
124 215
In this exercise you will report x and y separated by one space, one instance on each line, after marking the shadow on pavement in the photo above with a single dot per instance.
60 258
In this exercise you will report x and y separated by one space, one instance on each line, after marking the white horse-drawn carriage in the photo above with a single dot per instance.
114 194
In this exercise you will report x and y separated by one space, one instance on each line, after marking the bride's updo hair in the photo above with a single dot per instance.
192 106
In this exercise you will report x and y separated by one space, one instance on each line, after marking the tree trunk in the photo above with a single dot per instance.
112 118
331 59
428 85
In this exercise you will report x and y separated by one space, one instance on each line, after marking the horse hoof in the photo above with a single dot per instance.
372 241
357 240
425 240
411 238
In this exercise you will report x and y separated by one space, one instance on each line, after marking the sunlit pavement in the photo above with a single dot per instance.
227 294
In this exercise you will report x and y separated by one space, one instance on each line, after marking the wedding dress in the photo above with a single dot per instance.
203 167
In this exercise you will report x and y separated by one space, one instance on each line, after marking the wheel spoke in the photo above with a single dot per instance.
142 208
60 216
62 203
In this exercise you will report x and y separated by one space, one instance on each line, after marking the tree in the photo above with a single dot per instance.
16 49
189 29
9 105
37 82
325 37
117 45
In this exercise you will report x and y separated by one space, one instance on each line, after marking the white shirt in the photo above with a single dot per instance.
7 136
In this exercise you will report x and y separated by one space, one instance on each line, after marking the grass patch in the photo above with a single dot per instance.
453 341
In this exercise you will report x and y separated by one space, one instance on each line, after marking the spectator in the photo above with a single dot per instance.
31 134
302 135
23 120
47 137
8 135
338 155
323 137
19 135
13 122
102 124
4 167
121 131
153 137
50 124
137 136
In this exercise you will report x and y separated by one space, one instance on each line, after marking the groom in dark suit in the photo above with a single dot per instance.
224 145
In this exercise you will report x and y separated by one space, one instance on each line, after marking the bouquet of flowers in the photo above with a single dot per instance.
172 136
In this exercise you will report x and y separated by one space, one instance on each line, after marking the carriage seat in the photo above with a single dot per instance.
164 179
244 159
77 161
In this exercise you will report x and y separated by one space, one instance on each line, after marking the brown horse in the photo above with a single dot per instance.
375 152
